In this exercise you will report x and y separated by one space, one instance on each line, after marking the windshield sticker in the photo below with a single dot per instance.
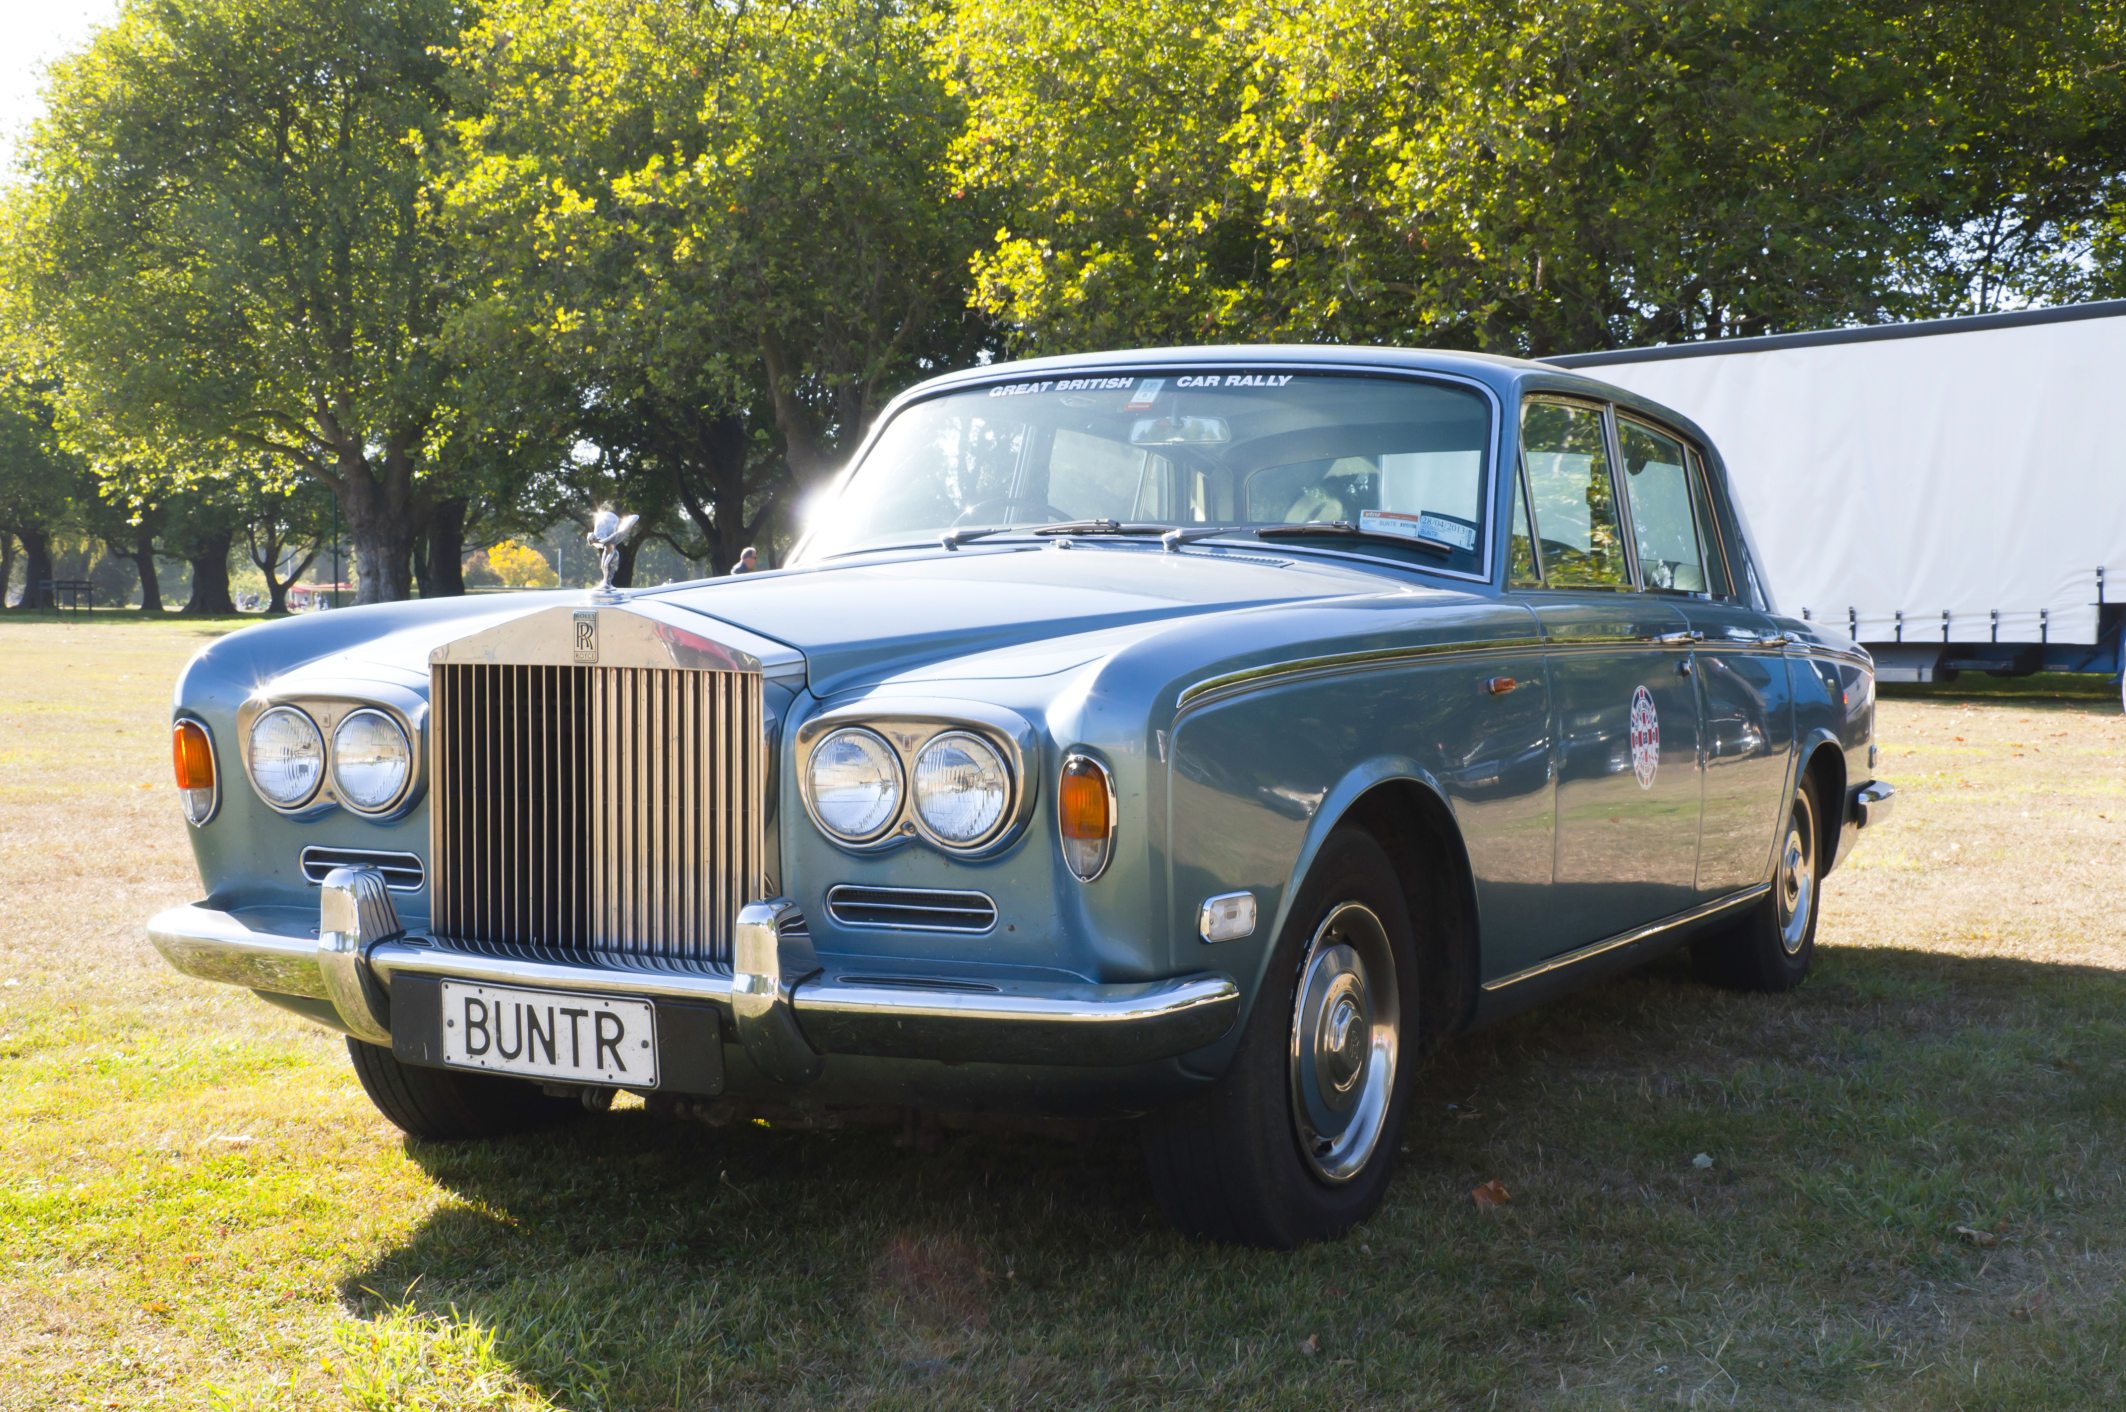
1147 391
1436 528
1645 738
1232 380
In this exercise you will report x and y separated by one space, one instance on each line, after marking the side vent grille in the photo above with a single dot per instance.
402 871
614 810
911 909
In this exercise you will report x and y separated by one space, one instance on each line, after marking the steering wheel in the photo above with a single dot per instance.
1004 502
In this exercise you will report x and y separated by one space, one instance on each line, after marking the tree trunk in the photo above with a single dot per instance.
209 557
143 557
443 566
624 569
383 516
278 587
7 564
719 449
36 569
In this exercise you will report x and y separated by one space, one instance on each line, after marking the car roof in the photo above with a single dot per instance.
1504 375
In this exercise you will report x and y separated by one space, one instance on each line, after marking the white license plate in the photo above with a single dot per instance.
550 1034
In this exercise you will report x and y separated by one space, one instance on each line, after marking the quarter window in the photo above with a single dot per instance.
1665 520
1717 582
1574 503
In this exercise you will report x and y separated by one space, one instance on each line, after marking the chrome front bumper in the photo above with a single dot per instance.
784 1006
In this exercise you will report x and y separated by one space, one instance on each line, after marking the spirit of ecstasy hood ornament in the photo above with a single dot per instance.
608 532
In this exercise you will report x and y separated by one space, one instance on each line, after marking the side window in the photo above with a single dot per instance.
1522 570
1717 582
1665 523
1575 511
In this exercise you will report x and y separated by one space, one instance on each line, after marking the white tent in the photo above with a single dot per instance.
1970 467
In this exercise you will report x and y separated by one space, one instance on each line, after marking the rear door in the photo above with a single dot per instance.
1625 706
1743 694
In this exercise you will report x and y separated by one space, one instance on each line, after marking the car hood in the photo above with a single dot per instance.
861 621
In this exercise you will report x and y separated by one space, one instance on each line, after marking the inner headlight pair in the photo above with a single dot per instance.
371 759
962 787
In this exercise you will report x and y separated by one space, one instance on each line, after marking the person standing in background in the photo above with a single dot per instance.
747 561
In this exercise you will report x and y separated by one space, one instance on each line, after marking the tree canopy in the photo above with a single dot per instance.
228 239
1529 177
727 230
479 267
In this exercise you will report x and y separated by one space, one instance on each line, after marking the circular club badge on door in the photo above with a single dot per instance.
1645 738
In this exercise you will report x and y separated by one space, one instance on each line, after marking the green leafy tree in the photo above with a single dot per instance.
43 487
714 224
227 236
1527 176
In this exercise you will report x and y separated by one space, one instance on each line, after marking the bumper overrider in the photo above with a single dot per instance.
784 1006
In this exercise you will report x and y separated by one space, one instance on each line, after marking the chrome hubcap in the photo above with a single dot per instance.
1345 1032
1797 874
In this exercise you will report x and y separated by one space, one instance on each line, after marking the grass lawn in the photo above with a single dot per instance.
1915 1197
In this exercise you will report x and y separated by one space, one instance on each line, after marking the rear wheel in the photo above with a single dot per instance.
1770 947
1297 1140
452 1107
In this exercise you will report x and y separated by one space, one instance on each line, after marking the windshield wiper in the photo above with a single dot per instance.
1173 539
1098 527
1349 530
953 539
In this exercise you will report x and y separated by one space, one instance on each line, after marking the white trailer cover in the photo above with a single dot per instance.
1968 466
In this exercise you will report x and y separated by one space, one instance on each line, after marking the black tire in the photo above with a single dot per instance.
1230 1164
451 1107
1770 947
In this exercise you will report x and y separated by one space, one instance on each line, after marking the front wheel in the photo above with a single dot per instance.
450 1107
1297 1141
1770 947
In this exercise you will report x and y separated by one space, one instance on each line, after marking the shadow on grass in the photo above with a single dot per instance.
1852 1127
2081 690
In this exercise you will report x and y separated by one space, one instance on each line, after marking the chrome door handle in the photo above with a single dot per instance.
1679 639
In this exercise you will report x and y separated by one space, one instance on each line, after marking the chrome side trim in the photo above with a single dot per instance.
1349 661
1594 949
355 913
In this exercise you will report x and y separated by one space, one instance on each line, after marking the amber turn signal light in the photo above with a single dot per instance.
1086 805
193 755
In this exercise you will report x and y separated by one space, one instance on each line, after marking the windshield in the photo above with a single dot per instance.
1379 464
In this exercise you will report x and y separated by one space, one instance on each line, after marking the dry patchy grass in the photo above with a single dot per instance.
199 1209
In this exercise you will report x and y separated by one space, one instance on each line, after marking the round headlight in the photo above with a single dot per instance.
856 785
370 761
961 788
287 757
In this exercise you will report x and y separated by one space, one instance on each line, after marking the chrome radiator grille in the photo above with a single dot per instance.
615 810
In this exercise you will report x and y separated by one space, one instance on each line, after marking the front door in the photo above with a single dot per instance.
1621 687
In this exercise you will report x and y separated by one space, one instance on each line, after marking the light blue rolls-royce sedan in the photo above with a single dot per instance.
1199 736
